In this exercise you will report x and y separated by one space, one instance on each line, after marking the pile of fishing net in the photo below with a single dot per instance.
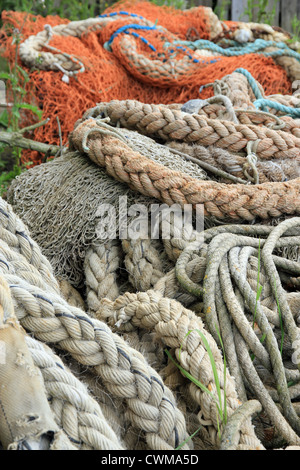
140 51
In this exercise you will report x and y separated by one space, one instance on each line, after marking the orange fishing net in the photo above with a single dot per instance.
135 72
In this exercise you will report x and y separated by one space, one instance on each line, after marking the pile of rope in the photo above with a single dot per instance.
167 335
138 51
152 315
216 279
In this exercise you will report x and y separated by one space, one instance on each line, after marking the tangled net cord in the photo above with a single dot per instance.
52 320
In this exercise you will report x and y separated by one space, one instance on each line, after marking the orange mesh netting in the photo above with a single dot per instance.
132 69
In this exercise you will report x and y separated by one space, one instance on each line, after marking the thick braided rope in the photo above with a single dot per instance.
100 268
237 88
151 406
170 124
172 322
268 171
143 263
214 108
16 235
76 412
151 179
31 50
27 422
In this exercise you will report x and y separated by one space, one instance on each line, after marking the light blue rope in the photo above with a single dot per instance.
252 83
293 112
263 103
257 46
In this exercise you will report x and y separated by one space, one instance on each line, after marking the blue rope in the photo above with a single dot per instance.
125 13
252 83
125 28
257 46
293 112
263 103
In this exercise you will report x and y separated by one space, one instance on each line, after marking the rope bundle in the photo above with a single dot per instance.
236 202
157 314
153 311
54 321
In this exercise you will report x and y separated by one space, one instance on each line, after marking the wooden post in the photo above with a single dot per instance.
289 9
238 8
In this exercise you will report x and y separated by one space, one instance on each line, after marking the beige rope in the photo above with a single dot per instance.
72 405
100 266
154 180
126 374
269 171
25 416
170 124
172 322
142 262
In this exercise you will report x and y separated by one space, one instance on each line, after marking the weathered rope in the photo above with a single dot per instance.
76 412
172 322
100 269
171 124
234 201
26 422
217 249
230 436
143 263
151 406
271 171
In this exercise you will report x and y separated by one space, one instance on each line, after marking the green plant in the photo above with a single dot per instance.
16 79
221 407
259 288
72 9
295 30
263 15
221 10
258 295
280 317
178 4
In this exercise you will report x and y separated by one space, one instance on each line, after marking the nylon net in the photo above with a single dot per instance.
130 70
